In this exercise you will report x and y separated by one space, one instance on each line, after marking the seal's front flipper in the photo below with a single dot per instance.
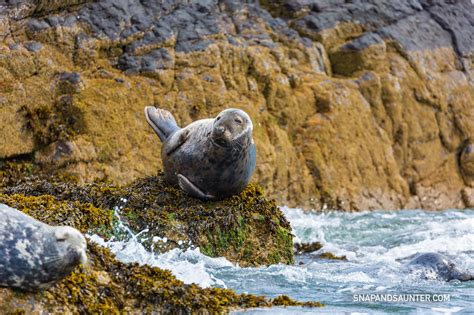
189 187
162 121
176 141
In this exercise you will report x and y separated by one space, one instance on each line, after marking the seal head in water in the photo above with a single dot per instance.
210 159
440 266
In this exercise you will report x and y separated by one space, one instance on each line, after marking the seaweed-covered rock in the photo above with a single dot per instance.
247 228
108 286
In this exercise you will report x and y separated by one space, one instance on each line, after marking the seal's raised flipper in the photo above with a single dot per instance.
191 189
162 121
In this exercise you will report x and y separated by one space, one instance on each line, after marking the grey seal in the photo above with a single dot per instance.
439 266
35 255
210 159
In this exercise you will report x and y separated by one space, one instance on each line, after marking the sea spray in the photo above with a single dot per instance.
377 245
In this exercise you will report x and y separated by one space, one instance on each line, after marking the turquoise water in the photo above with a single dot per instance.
377 245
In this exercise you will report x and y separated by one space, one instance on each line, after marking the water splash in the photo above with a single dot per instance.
377 245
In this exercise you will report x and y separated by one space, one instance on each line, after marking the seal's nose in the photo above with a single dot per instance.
220 130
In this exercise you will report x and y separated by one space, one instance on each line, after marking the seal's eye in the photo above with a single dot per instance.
60 239
218 118
238 120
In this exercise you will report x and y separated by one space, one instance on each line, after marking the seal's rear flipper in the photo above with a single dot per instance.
162 121
189 187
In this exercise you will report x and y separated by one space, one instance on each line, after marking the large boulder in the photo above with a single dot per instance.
247 229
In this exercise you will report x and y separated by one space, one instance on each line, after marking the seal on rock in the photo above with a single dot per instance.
434 265
210 159
35 255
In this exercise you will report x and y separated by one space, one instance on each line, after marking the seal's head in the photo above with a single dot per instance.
436 266
71 245
230 126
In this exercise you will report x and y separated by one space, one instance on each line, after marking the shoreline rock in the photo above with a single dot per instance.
356 106
109 286
247 229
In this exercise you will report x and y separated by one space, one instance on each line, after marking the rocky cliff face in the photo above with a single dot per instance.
356 105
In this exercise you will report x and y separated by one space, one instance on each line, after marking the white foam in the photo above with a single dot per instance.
374 243
189 266
445 310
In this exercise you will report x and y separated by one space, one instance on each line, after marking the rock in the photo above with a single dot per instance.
329 255
364 53
247 229
466 162
108 285
468 197
69 83
33 46
354 103
304 248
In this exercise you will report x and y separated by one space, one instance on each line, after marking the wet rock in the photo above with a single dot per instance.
329 255
108 285
247 229
303 248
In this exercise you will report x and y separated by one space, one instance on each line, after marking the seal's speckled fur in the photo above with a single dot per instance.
34 255
210 159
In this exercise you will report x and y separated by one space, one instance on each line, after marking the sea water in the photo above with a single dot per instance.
377 245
